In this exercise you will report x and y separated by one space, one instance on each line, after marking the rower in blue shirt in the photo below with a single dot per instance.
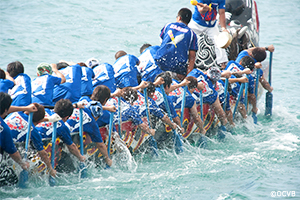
21 92
63 109
18 123
71 89
43 85
147 67
6 82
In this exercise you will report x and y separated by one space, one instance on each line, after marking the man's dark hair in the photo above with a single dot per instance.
143 47
82 64
5 102
120 54
259 54
61 65
129 94
63 108
2 74
167 78
101 93
15 68
193 82
39 114
150 88
247 62
185 14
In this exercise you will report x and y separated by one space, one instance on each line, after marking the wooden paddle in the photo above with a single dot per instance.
183 104
111 119
52 181
82 167
152 141
226 93
269 95
24 173
246 93
239 98
119 117
256 93
177 140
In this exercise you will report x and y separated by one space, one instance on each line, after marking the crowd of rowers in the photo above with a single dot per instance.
60 90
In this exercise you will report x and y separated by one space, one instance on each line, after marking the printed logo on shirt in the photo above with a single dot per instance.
178 28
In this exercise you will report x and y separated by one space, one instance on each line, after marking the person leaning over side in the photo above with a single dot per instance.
62 111
92 111
6 141
258 54
18 123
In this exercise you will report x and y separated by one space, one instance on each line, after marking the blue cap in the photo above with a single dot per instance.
96 108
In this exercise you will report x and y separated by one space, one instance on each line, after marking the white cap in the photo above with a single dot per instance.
92 62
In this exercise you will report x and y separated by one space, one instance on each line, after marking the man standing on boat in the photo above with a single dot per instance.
205 21
178 49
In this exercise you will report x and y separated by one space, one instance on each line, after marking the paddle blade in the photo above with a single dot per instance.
23 179
82 170
178 144
254 118
52 181
269 104
221 133
202 142
153 146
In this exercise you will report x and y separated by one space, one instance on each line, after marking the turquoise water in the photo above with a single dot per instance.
253 161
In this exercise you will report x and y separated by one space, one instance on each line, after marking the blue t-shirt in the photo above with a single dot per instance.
6 141
128 112
177 96
220 88
126 71
18 124
71 89
147 67
233 66
89 124
21 92
209 93
5 85
241 55
171 57
209 18
105 75
42 89
46 129
159 100
86 81
153 107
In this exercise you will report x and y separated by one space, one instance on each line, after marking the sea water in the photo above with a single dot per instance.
254 162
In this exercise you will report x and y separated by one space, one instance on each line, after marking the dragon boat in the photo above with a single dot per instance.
241 16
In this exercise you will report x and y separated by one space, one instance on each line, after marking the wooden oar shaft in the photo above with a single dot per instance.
183 104
28 135
226 93
53 143
270 67
81 130
111 119
239 98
